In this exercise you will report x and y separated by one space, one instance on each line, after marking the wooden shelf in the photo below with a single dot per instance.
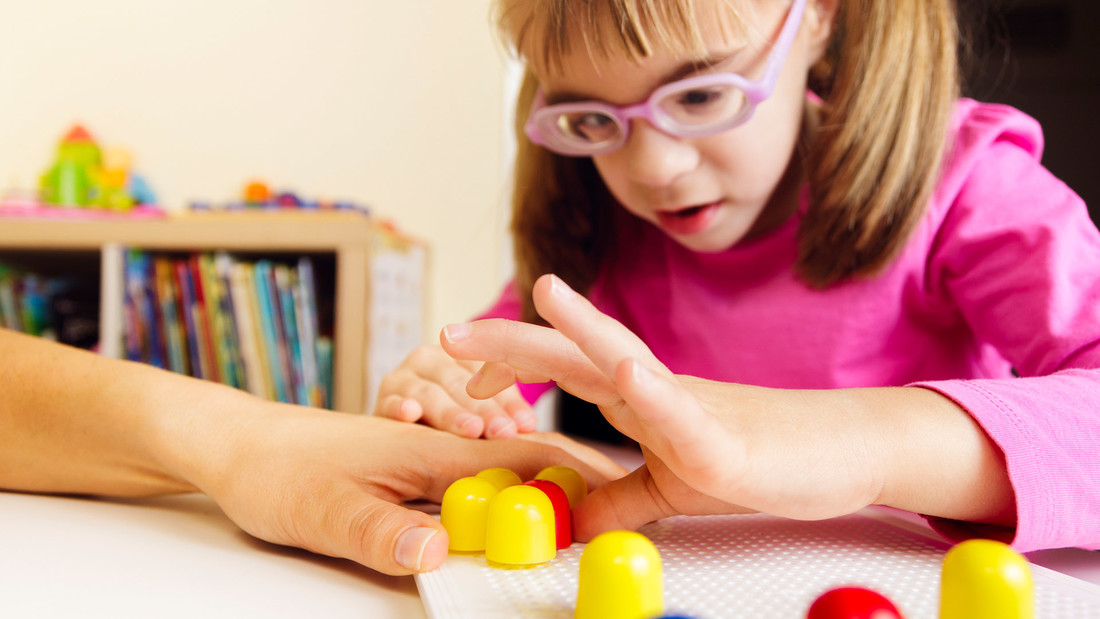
353 238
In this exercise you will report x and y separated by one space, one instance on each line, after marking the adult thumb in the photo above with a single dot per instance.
392 539
626 503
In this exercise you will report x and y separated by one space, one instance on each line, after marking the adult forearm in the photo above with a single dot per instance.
74 422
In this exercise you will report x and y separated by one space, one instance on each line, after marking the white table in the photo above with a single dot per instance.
172 557
181 557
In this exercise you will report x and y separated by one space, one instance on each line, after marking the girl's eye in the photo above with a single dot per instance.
700 98
590 126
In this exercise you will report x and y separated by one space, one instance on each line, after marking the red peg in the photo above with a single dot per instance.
563 518
853 603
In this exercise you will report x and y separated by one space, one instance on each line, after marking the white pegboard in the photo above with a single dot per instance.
755 566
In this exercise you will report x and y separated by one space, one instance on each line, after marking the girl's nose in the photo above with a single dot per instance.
656 158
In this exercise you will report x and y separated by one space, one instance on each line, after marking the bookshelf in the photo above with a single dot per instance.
377 282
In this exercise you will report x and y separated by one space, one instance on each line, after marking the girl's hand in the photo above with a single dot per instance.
715 447
431 387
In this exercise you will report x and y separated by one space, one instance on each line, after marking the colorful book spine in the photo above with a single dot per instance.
252 360
222 265
269 320
203 323
191 328
168 296
305 303
285 281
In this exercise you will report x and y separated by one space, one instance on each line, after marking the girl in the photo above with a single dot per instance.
885 297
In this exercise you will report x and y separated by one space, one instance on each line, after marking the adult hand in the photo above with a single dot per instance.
715 447
78 423
430 387
333 483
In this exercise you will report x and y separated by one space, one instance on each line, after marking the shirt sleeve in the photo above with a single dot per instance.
1019 257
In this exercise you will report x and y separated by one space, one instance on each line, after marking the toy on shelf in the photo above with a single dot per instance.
86 176
258 195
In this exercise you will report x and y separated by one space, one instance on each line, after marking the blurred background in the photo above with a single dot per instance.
399 105
394 104
1043 57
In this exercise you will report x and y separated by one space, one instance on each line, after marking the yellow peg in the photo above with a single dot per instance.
501 477
464 513
620 578
569 480
521 528
985 579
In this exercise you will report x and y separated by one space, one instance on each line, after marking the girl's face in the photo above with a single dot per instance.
711 192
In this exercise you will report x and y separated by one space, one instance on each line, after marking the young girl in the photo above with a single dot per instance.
885 297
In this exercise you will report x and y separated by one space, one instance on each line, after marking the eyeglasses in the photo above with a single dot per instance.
689 108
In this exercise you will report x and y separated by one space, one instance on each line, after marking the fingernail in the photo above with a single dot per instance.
457 332
559 288
640 373
498 426
410 547
462 420
525 419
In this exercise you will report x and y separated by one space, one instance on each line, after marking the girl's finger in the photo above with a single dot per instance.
535 353
673 425
625 503
497 381
604 340
399 408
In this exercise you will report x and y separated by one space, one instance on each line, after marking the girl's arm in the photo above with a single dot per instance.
74 422
718 448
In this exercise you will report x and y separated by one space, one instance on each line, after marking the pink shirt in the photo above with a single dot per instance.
1002 273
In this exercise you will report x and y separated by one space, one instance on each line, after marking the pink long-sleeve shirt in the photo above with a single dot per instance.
1001 274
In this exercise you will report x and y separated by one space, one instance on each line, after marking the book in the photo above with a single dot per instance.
204 327
168 295
188 311
285 282
306 304
274 343
253 356
222 265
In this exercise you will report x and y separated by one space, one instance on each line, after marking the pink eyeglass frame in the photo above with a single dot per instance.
755 92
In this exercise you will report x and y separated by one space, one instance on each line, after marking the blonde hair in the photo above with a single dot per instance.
887 82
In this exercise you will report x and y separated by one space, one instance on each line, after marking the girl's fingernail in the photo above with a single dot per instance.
641 374
457 332
525 420
409 550
559 288
463 420
500 426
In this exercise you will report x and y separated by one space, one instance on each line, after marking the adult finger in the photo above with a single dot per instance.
381 535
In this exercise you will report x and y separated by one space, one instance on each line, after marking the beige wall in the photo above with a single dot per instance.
394 103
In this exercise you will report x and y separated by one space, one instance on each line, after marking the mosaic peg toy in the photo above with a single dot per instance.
464 513
985 579
620 578
520 530
853 603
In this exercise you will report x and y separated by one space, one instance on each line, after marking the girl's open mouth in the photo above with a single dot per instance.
688 220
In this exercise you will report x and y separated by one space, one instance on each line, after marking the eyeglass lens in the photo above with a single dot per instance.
692 108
